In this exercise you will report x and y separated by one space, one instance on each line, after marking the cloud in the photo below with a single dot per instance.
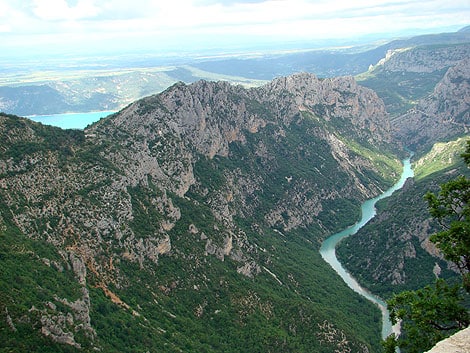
183 23
125 9
226 2
5 28
53 10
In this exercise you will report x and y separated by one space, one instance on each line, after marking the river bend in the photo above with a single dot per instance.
328 248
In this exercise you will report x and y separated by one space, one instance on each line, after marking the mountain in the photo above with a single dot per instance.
191 221
393 252
115 82
408 74
443 115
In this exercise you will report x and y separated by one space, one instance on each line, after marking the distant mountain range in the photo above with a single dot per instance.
191 220
93 90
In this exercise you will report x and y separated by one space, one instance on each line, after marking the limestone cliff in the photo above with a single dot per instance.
406 80
441 116
424 59
195 200
457 343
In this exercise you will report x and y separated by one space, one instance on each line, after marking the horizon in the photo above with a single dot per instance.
70 29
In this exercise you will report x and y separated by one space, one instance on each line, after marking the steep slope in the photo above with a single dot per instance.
443 115
410 71
393 252
191 221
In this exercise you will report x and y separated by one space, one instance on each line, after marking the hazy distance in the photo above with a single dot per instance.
59 30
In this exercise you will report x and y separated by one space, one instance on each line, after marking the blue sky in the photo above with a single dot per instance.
94 25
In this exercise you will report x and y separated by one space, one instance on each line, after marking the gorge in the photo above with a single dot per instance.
193 219
201 205
328 248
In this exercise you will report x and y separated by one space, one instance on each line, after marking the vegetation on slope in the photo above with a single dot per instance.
125 259
34 280
442 157
400 91
411 73
433 313
230 265
392 253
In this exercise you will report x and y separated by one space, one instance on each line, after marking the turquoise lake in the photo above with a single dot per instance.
70 120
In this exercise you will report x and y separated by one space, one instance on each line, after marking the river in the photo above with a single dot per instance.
70 120
328 248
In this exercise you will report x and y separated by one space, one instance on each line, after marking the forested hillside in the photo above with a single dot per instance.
393 252
191 221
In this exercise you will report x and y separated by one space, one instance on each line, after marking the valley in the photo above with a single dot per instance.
80 85
328 248
192 219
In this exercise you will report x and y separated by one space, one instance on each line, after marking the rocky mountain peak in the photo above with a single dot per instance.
190 192
211 115
442 115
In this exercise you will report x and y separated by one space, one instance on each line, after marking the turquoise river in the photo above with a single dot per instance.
328 248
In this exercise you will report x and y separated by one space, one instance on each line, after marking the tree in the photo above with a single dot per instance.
451 208
433 313
427 316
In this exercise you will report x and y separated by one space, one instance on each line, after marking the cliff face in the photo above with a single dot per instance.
207 189
409 76
424 59
442 115
393 253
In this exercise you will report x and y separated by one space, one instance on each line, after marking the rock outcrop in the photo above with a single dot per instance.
196 178
423 60
442 115
457 343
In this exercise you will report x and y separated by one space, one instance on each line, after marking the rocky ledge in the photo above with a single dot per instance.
457 343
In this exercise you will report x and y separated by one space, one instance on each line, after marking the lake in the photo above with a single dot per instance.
70 120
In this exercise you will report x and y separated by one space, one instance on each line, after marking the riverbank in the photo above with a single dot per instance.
328 248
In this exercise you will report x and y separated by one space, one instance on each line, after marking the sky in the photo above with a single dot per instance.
72 26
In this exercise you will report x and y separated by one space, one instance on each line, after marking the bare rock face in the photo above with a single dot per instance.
62 326
418 60
210 116
457 343
442 115
188 174
336 98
